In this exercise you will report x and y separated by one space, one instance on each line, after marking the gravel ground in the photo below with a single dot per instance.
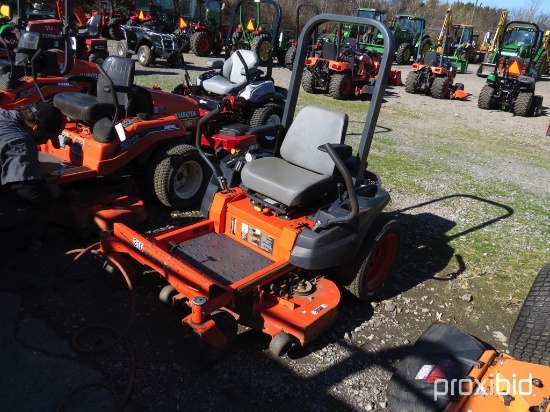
346 369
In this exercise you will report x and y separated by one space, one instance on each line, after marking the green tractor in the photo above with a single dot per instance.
365 34
522 40
407 32
7 28
252 33
511 85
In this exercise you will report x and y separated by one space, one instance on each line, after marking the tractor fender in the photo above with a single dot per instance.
6 28
340 66
141 161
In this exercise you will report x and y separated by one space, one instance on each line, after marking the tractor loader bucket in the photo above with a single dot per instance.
459 94
485 69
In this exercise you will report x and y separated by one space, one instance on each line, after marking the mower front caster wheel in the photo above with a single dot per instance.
281 343
167 294
208 353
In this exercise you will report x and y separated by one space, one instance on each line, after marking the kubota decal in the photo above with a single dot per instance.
123 146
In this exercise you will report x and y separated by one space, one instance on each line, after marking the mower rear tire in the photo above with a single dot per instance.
227 324
440 87
201 43
485 99
174 60
178 176
403 54
372 266
98 58
530 337
341 86
270 113
281 343
260 45
410 82
308 82
522 104
145 57
290 55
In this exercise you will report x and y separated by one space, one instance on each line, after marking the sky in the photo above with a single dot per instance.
511 4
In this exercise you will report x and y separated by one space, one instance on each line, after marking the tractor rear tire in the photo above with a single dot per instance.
308 82
440 87
530 337
372 266
410 86
485 99
227 324
403 54
177 176
115 31
201 43
270 113
540 65
424 47
260 45
289 57
341 86
522 104
145 57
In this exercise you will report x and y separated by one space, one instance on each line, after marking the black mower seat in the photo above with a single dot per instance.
232 78
303 172
90 108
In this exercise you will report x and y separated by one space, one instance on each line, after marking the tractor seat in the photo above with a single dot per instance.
28 44
430 58
91 29
90 108
232 78
329 50
303 172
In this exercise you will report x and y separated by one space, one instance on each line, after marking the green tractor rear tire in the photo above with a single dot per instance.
403 54
485 99
522 104
260 46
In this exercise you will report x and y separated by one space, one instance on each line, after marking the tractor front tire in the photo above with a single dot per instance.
530 337
122 49
403 54
440 87
260 45
372 266
341 86
178 176
270 113
289 57
485 99
410 82
308 82
522 104
201 43
145 57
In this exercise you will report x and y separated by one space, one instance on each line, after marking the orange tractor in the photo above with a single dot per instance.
448 370
345 71
434 75
276 226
